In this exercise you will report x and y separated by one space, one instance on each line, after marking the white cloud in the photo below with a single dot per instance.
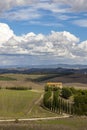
81 22
32 11
62 46
22 14
77 5
46 24
5 33
83 46
56 7
74 5
9 4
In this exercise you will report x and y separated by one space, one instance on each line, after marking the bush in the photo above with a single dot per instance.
16 121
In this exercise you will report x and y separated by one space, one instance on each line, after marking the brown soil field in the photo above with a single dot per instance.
73 80
5 84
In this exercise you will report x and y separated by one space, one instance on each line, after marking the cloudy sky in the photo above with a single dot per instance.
43 32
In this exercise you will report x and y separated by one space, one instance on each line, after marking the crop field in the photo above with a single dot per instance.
19 80
38 81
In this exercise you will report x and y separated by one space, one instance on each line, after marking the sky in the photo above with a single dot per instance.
42 32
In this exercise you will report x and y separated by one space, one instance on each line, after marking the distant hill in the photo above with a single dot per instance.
42 71
67 66
63 75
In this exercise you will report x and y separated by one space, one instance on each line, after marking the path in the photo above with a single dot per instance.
35 103
37 119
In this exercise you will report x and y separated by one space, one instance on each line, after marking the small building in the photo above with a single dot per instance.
55 84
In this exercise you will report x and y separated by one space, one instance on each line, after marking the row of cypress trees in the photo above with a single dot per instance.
55 103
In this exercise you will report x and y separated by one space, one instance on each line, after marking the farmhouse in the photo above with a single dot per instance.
55 84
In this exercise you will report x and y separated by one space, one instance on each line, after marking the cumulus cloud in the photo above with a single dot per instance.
5 33
62 45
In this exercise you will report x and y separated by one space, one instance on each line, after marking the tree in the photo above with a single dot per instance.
80 104
66 92
55 100
46 99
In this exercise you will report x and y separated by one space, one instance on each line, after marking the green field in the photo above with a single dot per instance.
6 78
20 76
21 104
16 103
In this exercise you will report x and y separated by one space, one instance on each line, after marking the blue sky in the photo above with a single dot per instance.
43 32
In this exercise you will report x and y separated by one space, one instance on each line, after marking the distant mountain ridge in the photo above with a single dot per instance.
43 70
67 66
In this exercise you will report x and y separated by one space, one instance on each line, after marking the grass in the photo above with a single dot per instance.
72 121
75 123
5 78
23 77
16 103
21 104
38 111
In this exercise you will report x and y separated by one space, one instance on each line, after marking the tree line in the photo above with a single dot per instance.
65 100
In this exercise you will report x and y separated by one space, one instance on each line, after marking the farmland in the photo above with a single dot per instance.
37 81
15 104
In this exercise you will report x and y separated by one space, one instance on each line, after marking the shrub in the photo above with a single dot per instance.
16 120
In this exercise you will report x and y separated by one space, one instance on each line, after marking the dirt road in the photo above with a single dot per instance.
37 119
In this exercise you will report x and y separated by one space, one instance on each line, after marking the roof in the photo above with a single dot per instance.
51 83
